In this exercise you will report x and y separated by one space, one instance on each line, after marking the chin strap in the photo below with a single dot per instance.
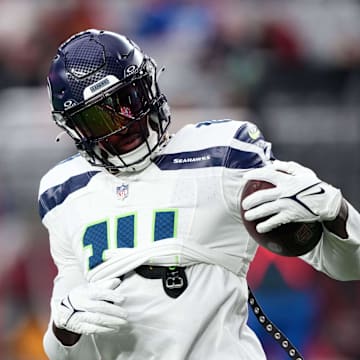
272 329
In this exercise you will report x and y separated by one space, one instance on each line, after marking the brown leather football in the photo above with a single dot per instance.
292 239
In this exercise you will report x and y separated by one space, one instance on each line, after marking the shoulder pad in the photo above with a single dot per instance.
66 177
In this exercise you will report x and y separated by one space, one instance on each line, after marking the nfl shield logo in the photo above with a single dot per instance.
122 191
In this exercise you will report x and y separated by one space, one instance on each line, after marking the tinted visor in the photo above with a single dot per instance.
113 113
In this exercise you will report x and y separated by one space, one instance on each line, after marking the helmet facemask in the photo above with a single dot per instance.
122 126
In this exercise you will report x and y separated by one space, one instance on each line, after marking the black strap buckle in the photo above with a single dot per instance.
173 278
174 281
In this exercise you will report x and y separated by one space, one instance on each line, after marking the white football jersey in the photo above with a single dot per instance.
182 210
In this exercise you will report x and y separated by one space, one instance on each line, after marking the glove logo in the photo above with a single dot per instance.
67 306
70 307
321 191
295 197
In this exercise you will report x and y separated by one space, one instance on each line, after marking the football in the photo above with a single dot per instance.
292 239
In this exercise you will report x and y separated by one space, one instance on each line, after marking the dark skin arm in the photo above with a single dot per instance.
338 225
67 338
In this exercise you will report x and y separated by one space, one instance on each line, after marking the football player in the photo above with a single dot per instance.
145 228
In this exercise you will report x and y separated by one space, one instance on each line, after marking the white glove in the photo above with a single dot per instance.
299 196
91 308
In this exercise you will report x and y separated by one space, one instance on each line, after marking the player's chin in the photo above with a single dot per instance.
130 145
118 145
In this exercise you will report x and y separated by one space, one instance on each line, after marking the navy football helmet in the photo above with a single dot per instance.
104 94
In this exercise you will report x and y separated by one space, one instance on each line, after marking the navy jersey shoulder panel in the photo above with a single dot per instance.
57 194
250 133
223 154
192 159
240 159
211 157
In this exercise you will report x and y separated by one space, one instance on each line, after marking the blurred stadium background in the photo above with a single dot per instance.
293 67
